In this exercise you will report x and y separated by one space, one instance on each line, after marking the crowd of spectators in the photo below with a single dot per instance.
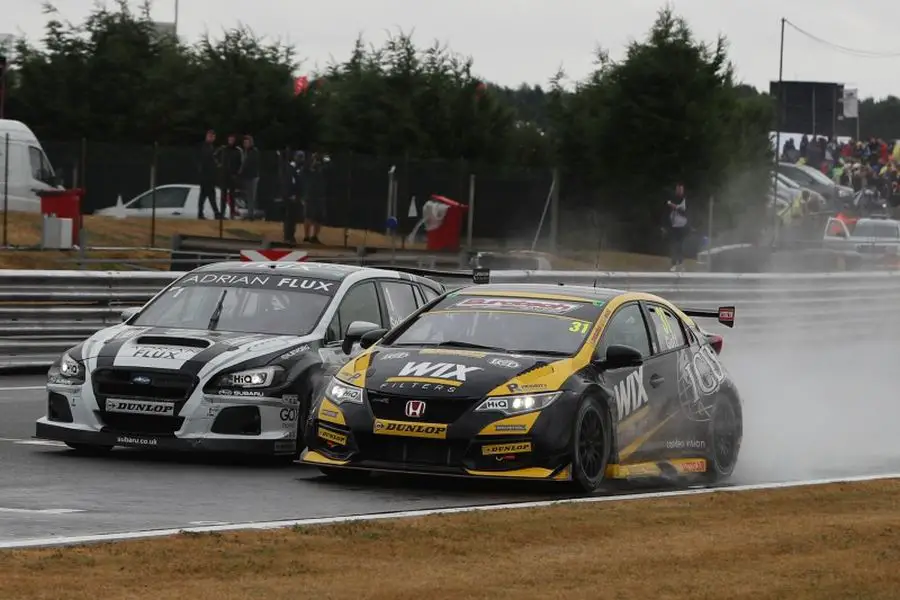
873 165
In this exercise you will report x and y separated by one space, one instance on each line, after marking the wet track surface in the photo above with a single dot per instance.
47 490
804 419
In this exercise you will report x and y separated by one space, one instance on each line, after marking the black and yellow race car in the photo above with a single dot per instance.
545 382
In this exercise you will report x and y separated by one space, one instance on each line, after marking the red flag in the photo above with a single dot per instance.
301 84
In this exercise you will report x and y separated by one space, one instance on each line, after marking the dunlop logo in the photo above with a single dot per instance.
435 431
331 436
517 448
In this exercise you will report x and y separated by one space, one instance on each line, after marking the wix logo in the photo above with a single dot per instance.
631 393
437 370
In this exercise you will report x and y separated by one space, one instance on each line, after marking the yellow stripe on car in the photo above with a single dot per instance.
354 372
330 413
315 458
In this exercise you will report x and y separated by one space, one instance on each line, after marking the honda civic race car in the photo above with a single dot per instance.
535 382
225 358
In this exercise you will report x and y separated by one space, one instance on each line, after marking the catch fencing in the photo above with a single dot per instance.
43 313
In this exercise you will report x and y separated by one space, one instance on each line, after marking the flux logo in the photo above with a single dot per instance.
451 372
631 393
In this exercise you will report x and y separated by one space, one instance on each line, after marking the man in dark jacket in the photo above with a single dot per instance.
209 170
231 158
250 175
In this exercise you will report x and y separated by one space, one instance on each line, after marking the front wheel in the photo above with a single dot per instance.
89 449
591 445
726 432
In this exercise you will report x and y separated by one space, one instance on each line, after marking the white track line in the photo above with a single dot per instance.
23 388
264 525
41 511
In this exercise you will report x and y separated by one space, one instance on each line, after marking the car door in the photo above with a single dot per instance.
169 201
673 354
400 300
360 303
639 394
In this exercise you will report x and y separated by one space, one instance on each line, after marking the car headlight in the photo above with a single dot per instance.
340 392
251 378
513 405
71 368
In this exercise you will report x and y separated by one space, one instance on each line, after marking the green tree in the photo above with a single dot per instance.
669 112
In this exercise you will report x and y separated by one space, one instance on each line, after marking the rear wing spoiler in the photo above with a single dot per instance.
725 314
478 275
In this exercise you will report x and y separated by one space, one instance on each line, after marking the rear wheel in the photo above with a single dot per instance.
345 475
89 449
591 445
726 432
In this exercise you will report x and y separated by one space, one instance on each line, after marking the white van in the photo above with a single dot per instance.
29 169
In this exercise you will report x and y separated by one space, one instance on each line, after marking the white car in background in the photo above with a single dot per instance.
174 201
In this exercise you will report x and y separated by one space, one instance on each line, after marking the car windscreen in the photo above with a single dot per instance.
241 302
515 324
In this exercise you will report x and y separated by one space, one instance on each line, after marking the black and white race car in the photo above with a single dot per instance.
225 358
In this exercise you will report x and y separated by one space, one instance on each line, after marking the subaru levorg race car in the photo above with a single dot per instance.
536 382
225 358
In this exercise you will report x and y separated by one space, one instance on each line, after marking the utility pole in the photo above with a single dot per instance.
778 109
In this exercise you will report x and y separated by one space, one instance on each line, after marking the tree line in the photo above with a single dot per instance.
669 110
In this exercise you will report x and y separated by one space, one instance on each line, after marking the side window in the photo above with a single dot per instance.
429 293
400 300
165 198
627 328
667 327
360 304
40 165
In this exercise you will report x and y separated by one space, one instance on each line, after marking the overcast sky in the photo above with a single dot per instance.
527 40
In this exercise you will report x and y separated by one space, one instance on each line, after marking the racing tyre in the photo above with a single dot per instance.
725 435
345 475
591 445
89 449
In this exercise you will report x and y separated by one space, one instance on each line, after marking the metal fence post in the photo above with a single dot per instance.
390 197
153 197
709 235
554 211
5 189
471 210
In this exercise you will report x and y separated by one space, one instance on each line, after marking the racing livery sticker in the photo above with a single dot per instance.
700 375
427 372
631 395
550 307
296 284
434 431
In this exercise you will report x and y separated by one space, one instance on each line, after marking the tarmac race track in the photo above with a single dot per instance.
811 411
46 490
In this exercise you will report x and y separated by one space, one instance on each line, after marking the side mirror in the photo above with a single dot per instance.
620 357
370 338
355 332
129 312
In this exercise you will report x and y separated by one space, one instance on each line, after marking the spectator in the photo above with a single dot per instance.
677 227
250 175
209 169
314 199
231 158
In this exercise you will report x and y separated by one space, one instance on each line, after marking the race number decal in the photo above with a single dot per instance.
581 327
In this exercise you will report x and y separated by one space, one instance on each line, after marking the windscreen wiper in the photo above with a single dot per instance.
217 312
